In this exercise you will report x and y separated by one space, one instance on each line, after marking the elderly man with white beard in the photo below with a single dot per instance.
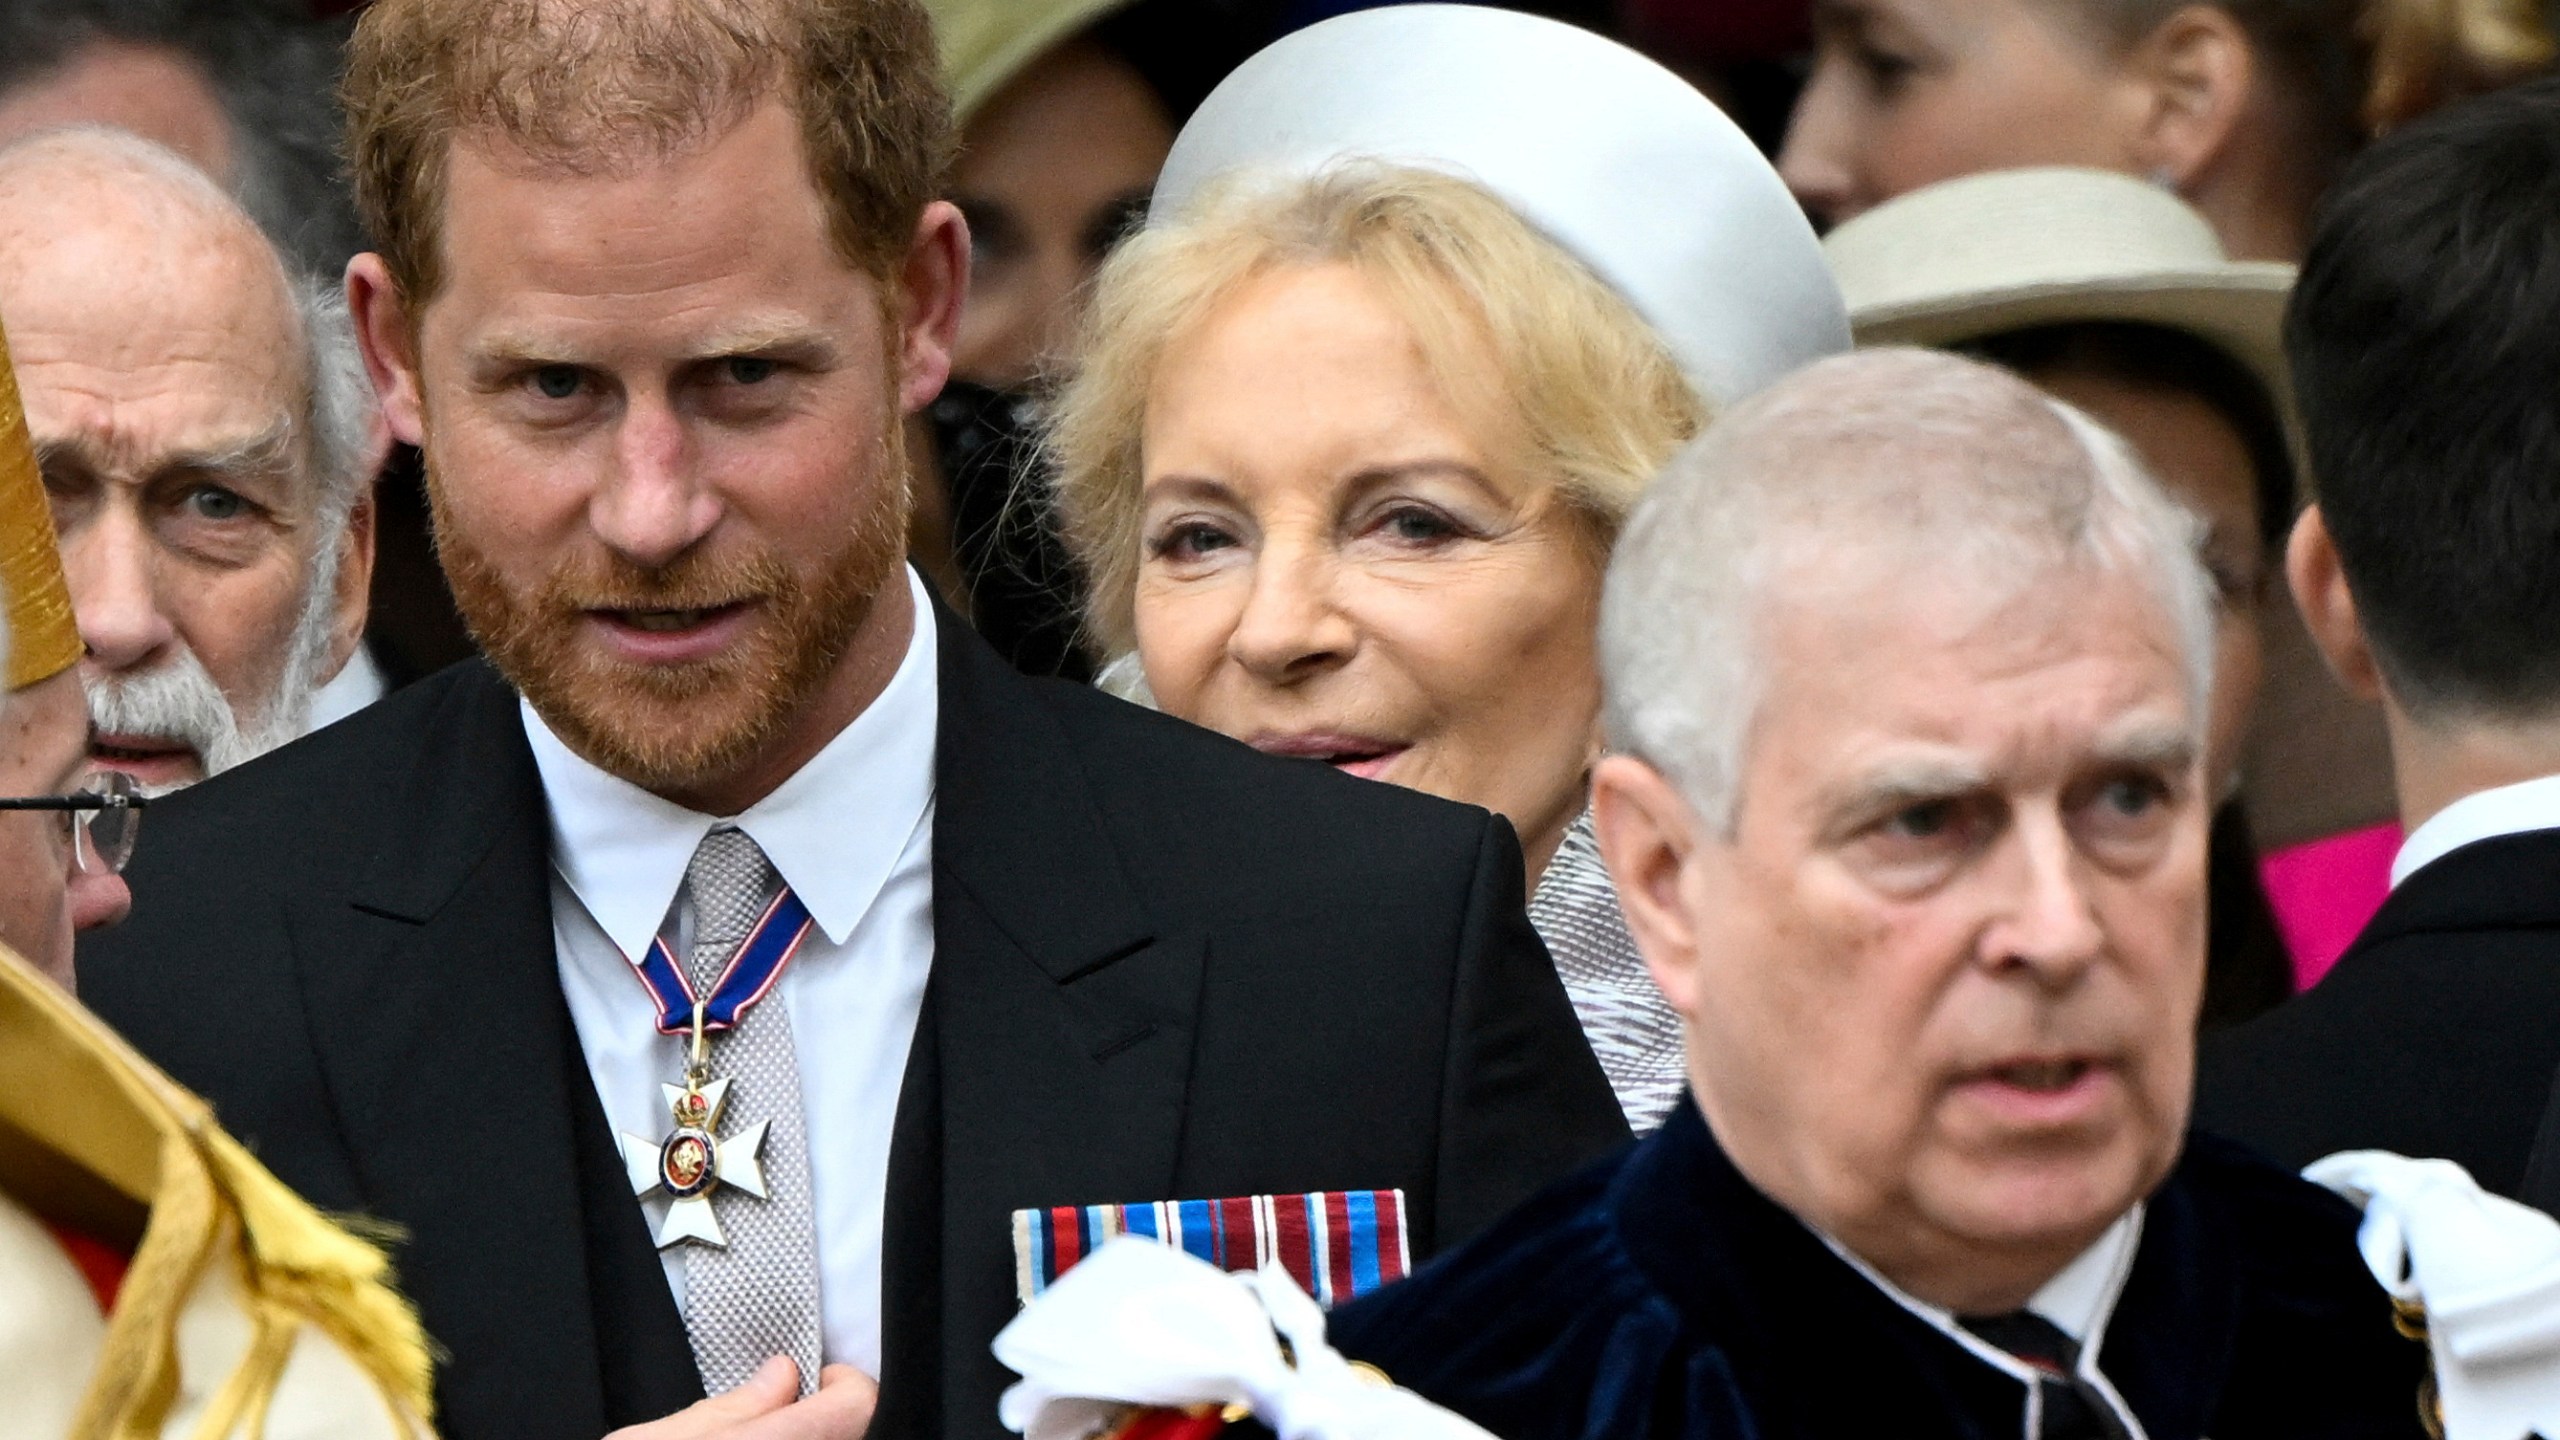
1906 665
206 433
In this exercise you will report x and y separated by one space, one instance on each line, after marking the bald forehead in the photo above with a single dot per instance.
120 170
123 229
122 269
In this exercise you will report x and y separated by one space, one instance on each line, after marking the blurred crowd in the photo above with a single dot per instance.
1988 560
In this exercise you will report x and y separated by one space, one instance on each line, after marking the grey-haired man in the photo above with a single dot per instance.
208 440
1908 667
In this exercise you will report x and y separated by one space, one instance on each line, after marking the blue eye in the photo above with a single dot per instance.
750 369
211 502
556 382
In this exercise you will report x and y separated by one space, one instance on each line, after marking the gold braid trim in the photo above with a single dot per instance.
311 1267
44 640
77 1091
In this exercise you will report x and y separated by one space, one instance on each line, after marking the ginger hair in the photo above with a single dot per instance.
594 85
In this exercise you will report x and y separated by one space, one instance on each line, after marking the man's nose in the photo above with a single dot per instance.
1290 627
114 569
2051 926
655 504
99 898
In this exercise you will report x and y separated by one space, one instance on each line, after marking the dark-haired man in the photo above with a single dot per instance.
717 975
2424 333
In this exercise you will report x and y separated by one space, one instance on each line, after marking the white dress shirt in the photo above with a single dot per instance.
2507 810
852 835
358 685
2079 1302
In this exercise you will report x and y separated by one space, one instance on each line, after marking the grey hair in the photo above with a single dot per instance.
338 406
334 420
1915 456
338 403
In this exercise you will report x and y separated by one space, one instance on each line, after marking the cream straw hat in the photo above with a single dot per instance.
2008 249
987 42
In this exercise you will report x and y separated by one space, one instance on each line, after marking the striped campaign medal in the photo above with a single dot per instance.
1337 1244
693 1163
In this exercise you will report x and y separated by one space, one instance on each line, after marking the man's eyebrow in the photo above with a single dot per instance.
1898 783
776 338
2149 745
268 451
792 338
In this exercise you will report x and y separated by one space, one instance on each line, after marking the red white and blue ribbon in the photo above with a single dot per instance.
751 974
1337 1244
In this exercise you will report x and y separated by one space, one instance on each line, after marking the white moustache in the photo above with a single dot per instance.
178 703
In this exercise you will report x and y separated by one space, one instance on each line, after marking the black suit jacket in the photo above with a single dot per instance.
2437 1034
1164 968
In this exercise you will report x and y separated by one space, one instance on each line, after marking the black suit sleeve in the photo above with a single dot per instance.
1523 1100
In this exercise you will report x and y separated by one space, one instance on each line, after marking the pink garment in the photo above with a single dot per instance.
2323 892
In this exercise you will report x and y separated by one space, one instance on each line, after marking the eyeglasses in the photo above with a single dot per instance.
103 818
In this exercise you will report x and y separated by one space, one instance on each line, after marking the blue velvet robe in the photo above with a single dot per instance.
1661 1295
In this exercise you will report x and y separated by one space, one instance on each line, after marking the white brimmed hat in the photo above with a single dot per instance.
2005 250
1619 161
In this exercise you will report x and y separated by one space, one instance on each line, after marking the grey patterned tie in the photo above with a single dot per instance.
759 1297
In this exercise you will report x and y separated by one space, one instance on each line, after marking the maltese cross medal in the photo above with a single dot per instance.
693 1163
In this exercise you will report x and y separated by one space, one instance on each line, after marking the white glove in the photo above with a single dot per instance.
2488 1272
1139 1323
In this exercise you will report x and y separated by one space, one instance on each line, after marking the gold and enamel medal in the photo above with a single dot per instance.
694 1164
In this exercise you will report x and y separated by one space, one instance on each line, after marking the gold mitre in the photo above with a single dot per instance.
44 641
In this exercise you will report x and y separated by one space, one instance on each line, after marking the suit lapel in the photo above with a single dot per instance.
1061 1018
439 1021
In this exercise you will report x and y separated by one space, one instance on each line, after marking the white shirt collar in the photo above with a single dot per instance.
2079 1301
2506 810
834 830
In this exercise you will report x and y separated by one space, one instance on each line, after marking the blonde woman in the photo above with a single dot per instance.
1356 418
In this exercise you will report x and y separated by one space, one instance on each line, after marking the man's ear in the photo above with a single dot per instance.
1647 834
2196 70
353 602
935 284
2319 585
386 333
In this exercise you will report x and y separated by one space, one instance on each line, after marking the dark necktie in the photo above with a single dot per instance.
2072 1407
